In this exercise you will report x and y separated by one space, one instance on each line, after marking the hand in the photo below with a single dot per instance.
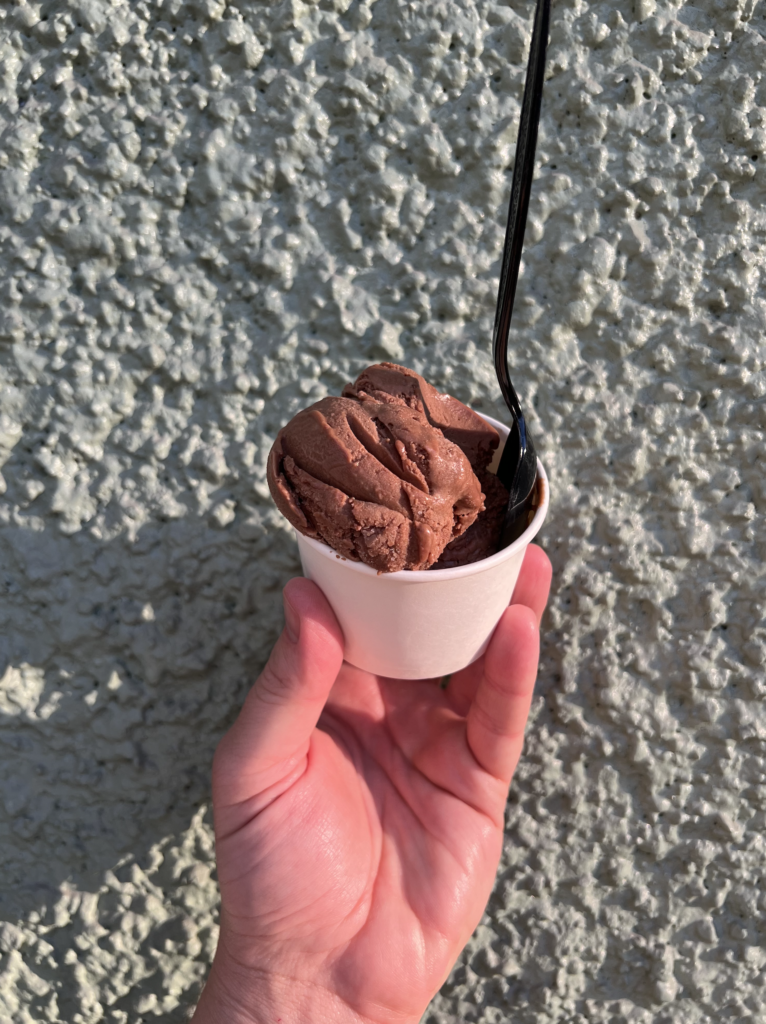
359 820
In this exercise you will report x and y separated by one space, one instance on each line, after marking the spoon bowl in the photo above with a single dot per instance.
518 471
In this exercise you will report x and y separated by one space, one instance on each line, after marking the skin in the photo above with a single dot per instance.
359 821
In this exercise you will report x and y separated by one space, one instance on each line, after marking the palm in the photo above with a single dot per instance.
394 836
362 861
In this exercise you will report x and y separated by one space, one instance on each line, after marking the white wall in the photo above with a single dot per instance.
213 213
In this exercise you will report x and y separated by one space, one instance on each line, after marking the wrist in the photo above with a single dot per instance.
237 995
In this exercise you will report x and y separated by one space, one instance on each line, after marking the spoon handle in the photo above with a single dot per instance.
523 170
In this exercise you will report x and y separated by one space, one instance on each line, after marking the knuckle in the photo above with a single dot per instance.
498 687
273 686
487 721
221 759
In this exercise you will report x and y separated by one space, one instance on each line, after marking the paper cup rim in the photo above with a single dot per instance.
437 575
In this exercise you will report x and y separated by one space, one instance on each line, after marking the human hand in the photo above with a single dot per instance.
359 820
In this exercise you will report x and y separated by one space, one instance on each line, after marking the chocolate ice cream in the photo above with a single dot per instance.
393 474
481 539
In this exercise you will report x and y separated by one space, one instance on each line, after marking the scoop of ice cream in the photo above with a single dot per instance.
375 473
385 382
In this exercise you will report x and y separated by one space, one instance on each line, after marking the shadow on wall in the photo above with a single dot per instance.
123 664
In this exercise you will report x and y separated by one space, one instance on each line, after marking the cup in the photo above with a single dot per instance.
424 624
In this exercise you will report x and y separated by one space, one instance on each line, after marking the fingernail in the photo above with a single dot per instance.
292 622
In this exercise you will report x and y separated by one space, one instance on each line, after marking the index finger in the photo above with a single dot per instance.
534 582
498 714
532 589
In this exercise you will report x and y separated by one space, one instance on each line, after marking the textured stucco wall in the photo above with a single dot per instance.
216 211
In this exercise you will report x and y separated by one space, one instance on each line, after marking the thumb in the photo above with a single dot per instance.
270 738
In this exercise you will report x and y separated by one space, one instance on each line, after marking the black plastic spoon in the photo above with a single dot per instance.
518 465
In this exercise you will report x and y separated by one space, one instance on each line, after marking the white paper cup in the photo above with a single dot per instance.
420 625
